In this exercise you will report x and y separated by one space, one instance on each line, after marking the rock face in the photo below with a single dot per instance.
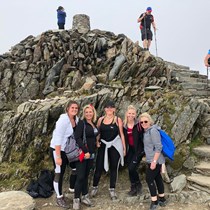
40 74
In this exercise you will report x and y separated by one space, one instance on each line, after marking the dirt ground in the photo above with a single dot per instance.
103 202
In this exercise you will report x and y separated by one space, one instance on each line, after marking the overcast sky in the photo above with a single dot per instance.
183 34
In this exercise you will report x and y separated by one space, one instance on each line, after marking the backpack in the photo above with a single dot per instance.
169 148
43 186
209 61
72 149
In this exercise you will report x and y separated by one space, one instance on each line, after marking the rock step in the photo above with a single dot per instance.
195 92
185 70
200 180
192 80
203 168
192 85
202 151
189 74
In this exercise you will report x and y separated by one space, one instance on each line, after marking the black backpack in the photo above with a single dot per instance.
43 186
209 61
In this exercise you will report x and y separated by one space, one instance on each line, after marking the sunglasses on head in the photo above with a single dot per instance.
144 122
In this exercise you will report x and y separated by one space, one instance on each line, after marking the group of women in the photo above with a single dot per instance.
114 140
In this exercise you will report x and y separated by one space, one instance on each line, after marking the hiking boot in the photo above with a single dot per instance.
138 188
113 194
85 200
133 191
76 204
153 205
71 190
94 191
61 202
162 201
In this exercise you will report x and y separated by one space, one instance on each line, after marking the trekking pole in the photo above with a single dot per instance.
207 68
156 43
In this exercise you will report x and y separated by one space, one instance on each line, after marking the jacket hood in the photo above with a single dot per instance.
154 126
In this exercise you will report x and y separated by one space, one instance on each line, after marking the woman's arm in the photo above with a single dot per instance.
120 124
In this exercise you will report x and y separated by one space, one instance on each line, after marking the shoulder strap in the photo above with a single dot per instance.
84 136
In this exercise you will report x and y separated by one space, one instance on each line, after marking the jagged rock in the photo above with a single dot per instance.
178 183
13 200
117 64
41 73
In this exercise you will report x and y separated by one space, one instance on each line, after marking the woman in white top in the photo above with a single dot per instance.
64 128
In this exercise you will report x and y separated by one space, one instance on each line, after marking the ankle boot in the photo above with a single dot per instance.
76 203
139 188
133 190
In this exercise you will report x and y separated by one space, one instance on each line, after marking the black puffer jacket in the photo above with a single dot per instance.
137 132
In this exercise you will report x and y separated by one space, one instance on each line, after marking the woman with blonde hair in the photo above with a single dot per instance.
155 159
111 149
133 133
85 135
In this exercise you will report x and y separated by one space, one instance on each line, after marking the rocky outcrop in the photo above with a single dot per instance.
40 74
13 200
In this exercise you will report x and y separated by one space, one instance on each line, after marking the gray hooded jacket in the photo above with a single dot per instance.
152 144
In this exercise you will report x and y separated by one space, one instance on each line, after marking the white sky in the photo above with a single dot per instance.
183 34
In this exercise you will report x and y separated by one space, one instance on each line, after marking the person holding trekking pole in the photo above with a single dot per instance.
145 20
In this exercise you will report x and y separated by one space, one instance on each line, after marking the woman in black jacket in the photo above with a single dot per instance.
85 135
133 133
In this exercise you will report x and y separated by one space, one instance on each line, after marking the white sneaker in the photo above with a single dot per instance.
85 200
94 191
71 190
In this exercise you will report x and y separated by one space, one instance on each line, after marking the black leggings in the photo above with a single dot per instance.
133 164
60 170
154 180
114 158
83 170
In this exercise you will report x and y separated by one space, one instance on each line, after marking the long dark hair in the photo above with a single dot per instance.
69 103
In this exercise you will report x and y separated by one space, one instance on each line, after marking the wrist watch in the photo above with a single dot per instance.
155 161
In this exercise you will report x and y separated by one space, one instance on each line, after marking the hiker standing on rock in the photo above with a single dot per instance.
155 159
61 16
85 135
207 59
133 133
64 128
111 149
145 20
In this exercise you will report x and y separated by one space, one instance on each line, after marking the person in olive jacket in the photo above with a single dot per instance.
133 133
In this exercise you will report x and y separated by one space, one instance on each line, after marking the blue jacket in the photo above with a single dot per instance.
61 15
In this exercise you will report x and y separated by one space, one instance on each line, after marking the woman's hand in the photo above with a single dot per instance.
87 155
98 144
152 165
58 161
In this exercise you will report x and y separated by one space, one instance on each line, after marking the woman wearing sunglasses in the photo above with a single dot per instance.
155 159
133 133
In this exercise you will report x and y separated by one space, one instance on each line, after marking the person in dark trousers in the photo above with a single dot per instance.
85 135
155 159
145 20
61 16
64 128
111 148
133 133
